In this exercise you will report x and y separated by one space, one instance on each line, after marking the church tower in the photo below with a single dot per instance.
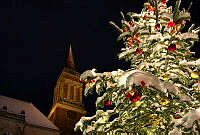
67 101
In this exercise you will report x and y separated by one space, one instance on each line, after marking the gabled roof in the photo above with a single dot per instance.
32 115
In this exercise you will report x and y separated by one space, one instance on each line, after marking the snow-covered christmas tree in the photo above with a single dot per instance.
160 93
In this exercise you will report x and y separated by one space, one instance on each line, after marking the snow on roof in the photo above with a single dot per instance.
32 115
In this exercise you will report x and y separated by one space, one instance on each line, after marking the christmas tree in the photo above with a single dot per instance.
160 93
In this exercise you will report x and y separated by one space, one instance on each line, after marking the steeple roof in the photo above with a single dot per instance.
70 60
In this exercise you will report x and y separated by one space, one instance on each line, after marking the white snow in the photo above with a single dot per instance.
32 115
188 120
136 76
185 62
174 132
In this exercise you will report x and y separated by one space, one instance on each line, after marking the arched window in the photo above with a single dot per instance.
72 92
65 90
78 94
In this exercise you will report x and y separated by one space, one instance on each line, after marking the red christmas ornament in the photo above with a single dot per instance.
131 43
82 81
134 98
124 29
145 17
107 103
136 38
172 31
128 95
142 84
157 26
138 52
131 24
164 1
149 9
92 81
172 47
171 24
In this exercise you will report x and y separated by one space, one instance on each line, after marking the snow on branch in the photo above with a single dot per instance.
194 63
188 120
136 76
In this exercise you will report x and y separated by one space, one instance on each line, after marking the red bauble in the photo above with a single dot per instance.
157 26
164 1
172 47
149 9
124 29
131 43
106 103
172 31
131 24
145 17
82 81
134 98
138 52
171 24
128 95
92 81
142 84
136 38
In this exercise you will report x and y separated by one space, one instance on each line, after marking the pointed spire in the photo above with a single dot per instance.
70 60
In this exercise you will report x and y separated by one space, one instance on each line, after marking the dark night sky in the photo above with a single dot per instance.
35 36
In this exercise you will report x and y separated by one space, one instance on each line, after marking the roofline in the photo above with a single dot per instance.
34 108
58 130
46 118
17 99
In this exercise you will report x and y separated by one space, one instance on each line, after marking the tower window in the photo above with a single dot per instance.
22 112
65 90
78 95
72 93
4 107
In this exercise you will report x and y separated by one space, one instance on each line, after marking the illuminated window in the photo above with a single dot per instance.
65 90
78 95
72 92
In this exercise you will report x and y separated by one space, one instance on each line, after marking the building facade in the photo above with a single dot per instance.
22 118
67 106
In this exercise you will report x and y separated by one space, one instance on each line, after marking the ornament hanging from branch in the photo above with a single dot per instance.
171 47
